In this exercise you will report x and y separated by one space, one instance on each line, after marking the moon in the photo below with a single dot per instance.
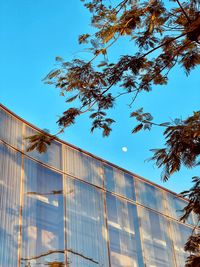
124 149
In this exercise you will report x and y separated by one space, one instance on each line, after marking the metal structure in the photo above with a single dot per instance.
69 208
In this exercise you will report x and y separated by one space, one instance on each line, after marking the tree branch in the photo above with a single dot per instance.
125 93
183 11
121 4
59 251
134 98
165 43
149 52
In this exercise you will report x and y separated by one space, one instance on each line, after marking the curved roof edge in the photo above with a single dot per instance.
90 154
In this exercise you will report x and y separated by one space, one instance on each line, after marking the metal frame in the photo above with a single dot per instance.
64 174
64 205
100 188
89 154
21 202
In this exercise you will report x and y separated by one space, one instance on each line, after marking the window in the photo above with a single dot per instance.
119 182
10 129
180 234
43 216
175 207
156 241
51 157
83 167
125 243
150 196
10 173
86 229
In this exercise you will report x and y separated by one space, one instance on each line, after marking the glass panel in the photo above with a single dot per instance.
150 196
10 172
51 157
157 244
10 129
125 243
180 234
119 182
86 229
175 207
43 227
83 167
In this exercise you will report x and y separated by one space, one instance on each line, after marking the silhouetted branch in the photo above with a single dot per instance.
59 251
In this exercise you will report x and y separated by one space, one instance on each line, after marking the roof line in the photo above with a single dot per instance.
89 154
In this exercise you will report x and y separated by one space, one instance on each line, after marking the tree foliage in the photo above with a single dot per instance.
193 243
163 35
182 146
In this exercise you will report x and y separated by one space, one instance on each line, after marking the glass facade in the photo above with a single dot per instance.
86 225
156 239
67 208
124 236
42 215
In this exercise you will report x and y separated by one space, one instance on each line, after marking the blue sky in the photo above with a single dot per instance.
32 34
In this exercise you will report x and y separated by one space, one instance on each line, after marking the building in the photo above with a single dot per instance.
69 208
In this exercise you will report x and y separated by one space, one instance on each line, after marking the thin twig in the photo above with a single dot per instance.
123 3
125 93
134 98
183 11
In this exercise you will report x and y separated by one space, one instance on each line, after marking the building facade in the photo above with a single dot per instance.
69 208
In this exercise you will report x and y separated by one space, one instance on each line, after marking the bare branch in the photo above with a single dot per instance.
59 251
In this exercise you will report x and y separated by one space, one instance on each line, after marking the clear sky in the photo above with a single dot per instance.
32 34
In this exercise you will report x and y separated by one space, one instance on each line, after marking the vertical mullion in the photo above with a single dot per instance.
107 231
141 234
169 226
65 203
106 214
170 235
139 222
21 200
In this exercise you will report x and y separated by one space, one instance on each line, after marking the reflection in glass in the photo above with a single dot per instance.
84 167
10 172
156 240
180 234
51 157
150 196
43 227
119 182
125 243
175 207
86 230
43 211
10 129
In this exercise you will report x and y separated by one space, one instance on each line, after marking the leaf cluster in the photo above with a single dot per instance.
145 120
163 37
182 146
39 142
193 195
193 243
